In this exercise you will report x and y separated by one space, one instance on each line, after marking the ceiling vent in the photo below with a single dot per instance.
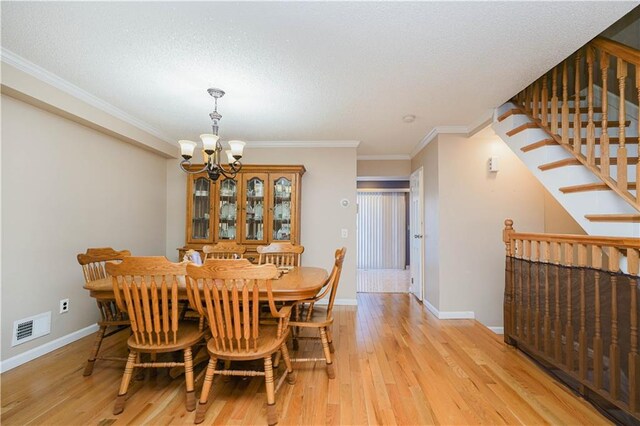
31 328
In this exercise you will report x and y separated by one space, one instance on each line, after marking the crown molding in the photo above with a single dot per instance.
302 144
435 132
36 71
384 157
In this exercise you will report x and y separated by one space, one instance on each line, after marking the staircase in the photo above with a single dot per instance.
583 145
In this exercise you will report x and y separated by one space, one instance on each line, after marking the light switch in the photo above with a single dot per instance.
345 233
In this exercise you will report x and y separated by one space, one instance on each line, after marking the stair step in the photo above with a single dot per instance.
613 217
598 186
574 162
509 113
539 144
525 126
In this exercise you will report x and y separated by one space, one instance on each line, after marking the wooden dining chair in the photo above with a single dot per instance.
227 293
95 277
224 250
147 288
321 317
280 254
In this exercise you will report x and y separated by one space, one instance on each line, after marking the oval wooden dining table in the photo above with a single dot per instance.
299 283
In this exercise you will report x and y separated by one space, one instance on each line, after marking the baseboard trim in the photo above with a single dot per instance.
447 315
44 349
339 302
497 330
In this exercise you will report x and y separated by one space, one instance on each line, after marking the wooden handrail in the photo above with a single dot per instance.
591 66
619 50
573 302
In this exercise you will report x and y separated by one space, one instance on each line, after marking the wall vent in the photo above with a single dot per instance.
31 328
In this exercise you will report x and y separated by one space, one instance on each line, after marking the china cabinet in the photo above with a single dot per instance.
259 206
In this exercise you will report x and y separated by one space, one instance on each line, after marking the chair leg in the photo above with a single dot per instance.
291 375
154 371
276 359
327 353
88 369
188 379
330 339
124 385
272 415
206 387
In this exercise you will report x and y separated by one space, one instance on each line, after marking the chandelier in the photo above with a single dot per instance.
213 149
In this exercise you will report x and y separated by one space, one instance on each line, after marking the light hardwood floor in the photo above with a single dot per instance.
395 364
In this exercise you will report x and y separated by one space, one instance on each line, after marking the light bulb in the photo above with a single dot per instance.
236 149
187 148
209 141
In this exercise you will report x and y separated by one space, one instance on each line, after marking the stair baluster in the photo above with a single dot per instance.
544 101
565 103
582 334
536 100
577 124
554 100
596 260
604 135
568 261
622 148
591 128
614 349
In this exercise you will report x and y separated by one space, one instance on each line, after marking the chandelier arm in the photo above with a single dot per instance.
228 175
187 163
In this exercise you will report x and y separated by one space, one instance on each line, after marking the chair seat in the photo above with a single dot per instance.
268 343
104 284
318 318
188 335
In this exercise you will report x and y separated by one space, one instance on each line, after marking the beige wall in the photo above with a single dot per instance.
66 187
465 208
330 177
557 220
384 168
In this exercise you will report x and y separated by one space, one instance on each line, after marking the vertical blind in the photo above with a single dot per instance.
381 230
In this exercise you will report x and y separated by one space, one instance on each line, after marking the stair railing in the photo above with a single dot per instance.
568 304
599 65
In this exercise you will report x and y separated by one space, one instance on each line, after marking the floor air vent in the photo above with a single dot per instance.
30 328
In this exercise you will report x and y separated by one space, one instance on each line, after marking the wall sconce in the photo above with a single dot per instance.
493 164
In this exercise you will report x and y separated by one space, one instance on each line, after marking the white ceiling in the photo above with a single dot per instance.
304 71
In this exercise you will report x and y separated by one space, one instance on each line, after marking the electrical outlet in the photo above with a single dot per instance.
64 306
345 233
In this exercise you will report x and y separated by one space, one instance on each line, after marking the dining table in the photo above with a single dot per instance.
293 284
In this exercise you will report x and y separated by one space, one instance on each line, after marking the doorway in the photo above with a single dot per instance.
383 237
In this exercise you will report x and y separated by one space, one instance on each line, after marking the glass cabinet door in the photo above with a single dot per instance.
227 209
200 209
281 191
255 189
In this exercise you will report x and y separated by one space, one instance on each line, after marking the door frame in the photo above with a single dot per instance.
417 233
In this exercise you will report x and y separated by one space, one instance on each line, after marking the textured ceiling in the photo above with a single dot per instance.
306 70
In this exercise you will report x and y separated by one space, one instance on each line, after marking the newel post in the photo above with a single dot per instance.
508 283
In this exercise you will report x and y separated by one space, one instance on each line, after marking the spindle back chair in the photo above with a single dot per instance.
280 254
147 289
224 250
227 293
93 269
321 318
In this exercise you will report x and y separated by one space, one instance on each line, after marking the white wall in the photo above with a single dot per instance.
330 177
66 187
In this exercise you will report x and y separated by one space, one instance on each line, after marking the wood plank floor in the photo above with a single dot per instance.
395 364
